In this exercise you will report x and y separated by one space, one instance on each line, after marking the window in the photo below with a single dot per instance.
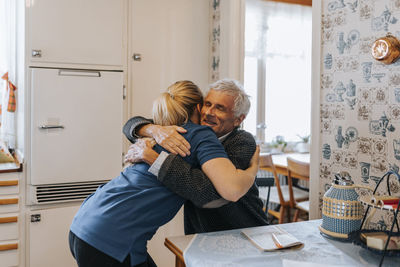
277 69
8 60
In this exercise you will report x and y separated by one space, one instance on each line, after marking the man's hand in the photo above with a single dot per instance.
169 137
141 151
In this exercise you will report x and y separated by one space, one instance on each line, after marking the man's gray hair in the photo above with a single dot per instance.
235 89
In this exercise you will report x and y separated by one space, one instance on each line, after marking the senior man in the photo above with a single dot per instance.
225 107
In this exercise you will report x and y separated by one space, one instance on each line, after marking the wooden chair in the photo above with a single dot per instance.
279 193
299 170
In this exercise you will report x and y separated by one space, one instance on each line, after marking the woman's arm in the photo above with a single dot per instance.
191 183
231 183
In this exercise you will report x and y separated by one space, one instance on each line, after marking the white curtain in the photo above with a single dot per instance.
278 68
8 59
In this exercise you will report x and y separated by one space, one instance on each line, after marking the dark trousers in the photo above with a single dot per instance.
88 256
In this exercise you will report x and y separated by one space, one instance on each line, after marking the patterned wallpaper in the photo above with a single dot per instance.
360 97
215 36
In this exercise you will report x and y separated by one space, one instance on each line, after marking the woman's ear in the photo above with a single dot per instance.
199 107
195 117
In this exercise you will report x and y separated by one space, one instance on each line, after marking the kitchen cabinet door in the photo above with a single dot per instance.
76 125
170 45
76 32
48 231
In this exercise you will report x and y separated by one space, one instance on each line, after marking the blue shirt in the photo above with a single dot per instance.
122 215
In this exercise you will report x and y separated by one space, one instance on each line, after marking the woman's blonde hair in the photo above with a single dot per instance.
176 106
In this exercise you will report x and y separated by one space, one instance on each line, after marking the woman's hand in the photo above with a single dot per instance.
169 137
141 151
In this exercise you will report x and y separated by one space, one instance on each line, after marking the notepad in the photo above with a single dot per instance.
271 238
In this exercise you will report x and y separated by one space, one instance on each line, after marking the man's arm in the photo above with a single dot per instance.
192 184
169 137
240 148
132 125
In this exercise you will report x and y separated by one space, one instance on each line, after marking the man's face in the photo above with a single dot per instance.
217 112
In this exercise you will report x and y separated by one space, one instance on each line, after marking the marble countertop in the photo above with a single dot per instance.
230 248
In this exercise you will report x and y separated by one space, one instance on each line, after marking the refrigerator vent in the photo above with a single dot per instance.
67 192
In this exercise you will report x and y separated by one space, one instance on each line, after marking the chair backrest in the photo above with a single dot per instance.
266 161
296 169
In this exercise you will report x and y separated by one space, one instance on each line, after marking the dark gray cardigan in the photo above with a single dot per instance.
193 185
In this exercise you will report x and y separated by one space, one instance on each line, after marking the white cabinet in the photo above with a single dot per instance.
9 219
48 237
9 226
76 125
9 253
173 39
76 32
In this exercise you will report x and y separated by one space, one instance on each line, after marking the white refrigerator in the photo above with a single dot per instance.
76 125
75 145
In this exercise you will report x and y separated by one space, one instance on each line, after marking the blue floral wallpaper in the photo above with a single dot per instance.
360 97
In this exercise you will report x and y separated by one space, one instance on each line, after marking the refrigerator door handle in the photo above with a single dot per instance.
46 127
79 73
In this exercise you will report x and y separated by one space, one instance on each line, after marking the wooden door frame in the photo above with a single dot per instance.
298 2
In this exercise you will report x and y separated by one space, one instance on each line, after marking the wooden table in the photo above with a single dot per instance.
308 232
177 244
280 161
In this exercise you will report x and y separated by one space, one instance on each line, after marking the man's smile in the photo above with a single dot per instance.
208 122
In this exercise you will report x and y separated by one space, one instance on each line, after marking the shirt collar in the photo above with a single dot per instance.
222 138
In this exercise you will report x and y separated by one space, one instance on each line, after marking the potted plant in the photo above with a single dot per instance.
278 145
304 145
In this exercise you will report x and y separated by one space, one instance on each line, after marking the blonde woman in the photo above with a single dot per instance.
114 224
